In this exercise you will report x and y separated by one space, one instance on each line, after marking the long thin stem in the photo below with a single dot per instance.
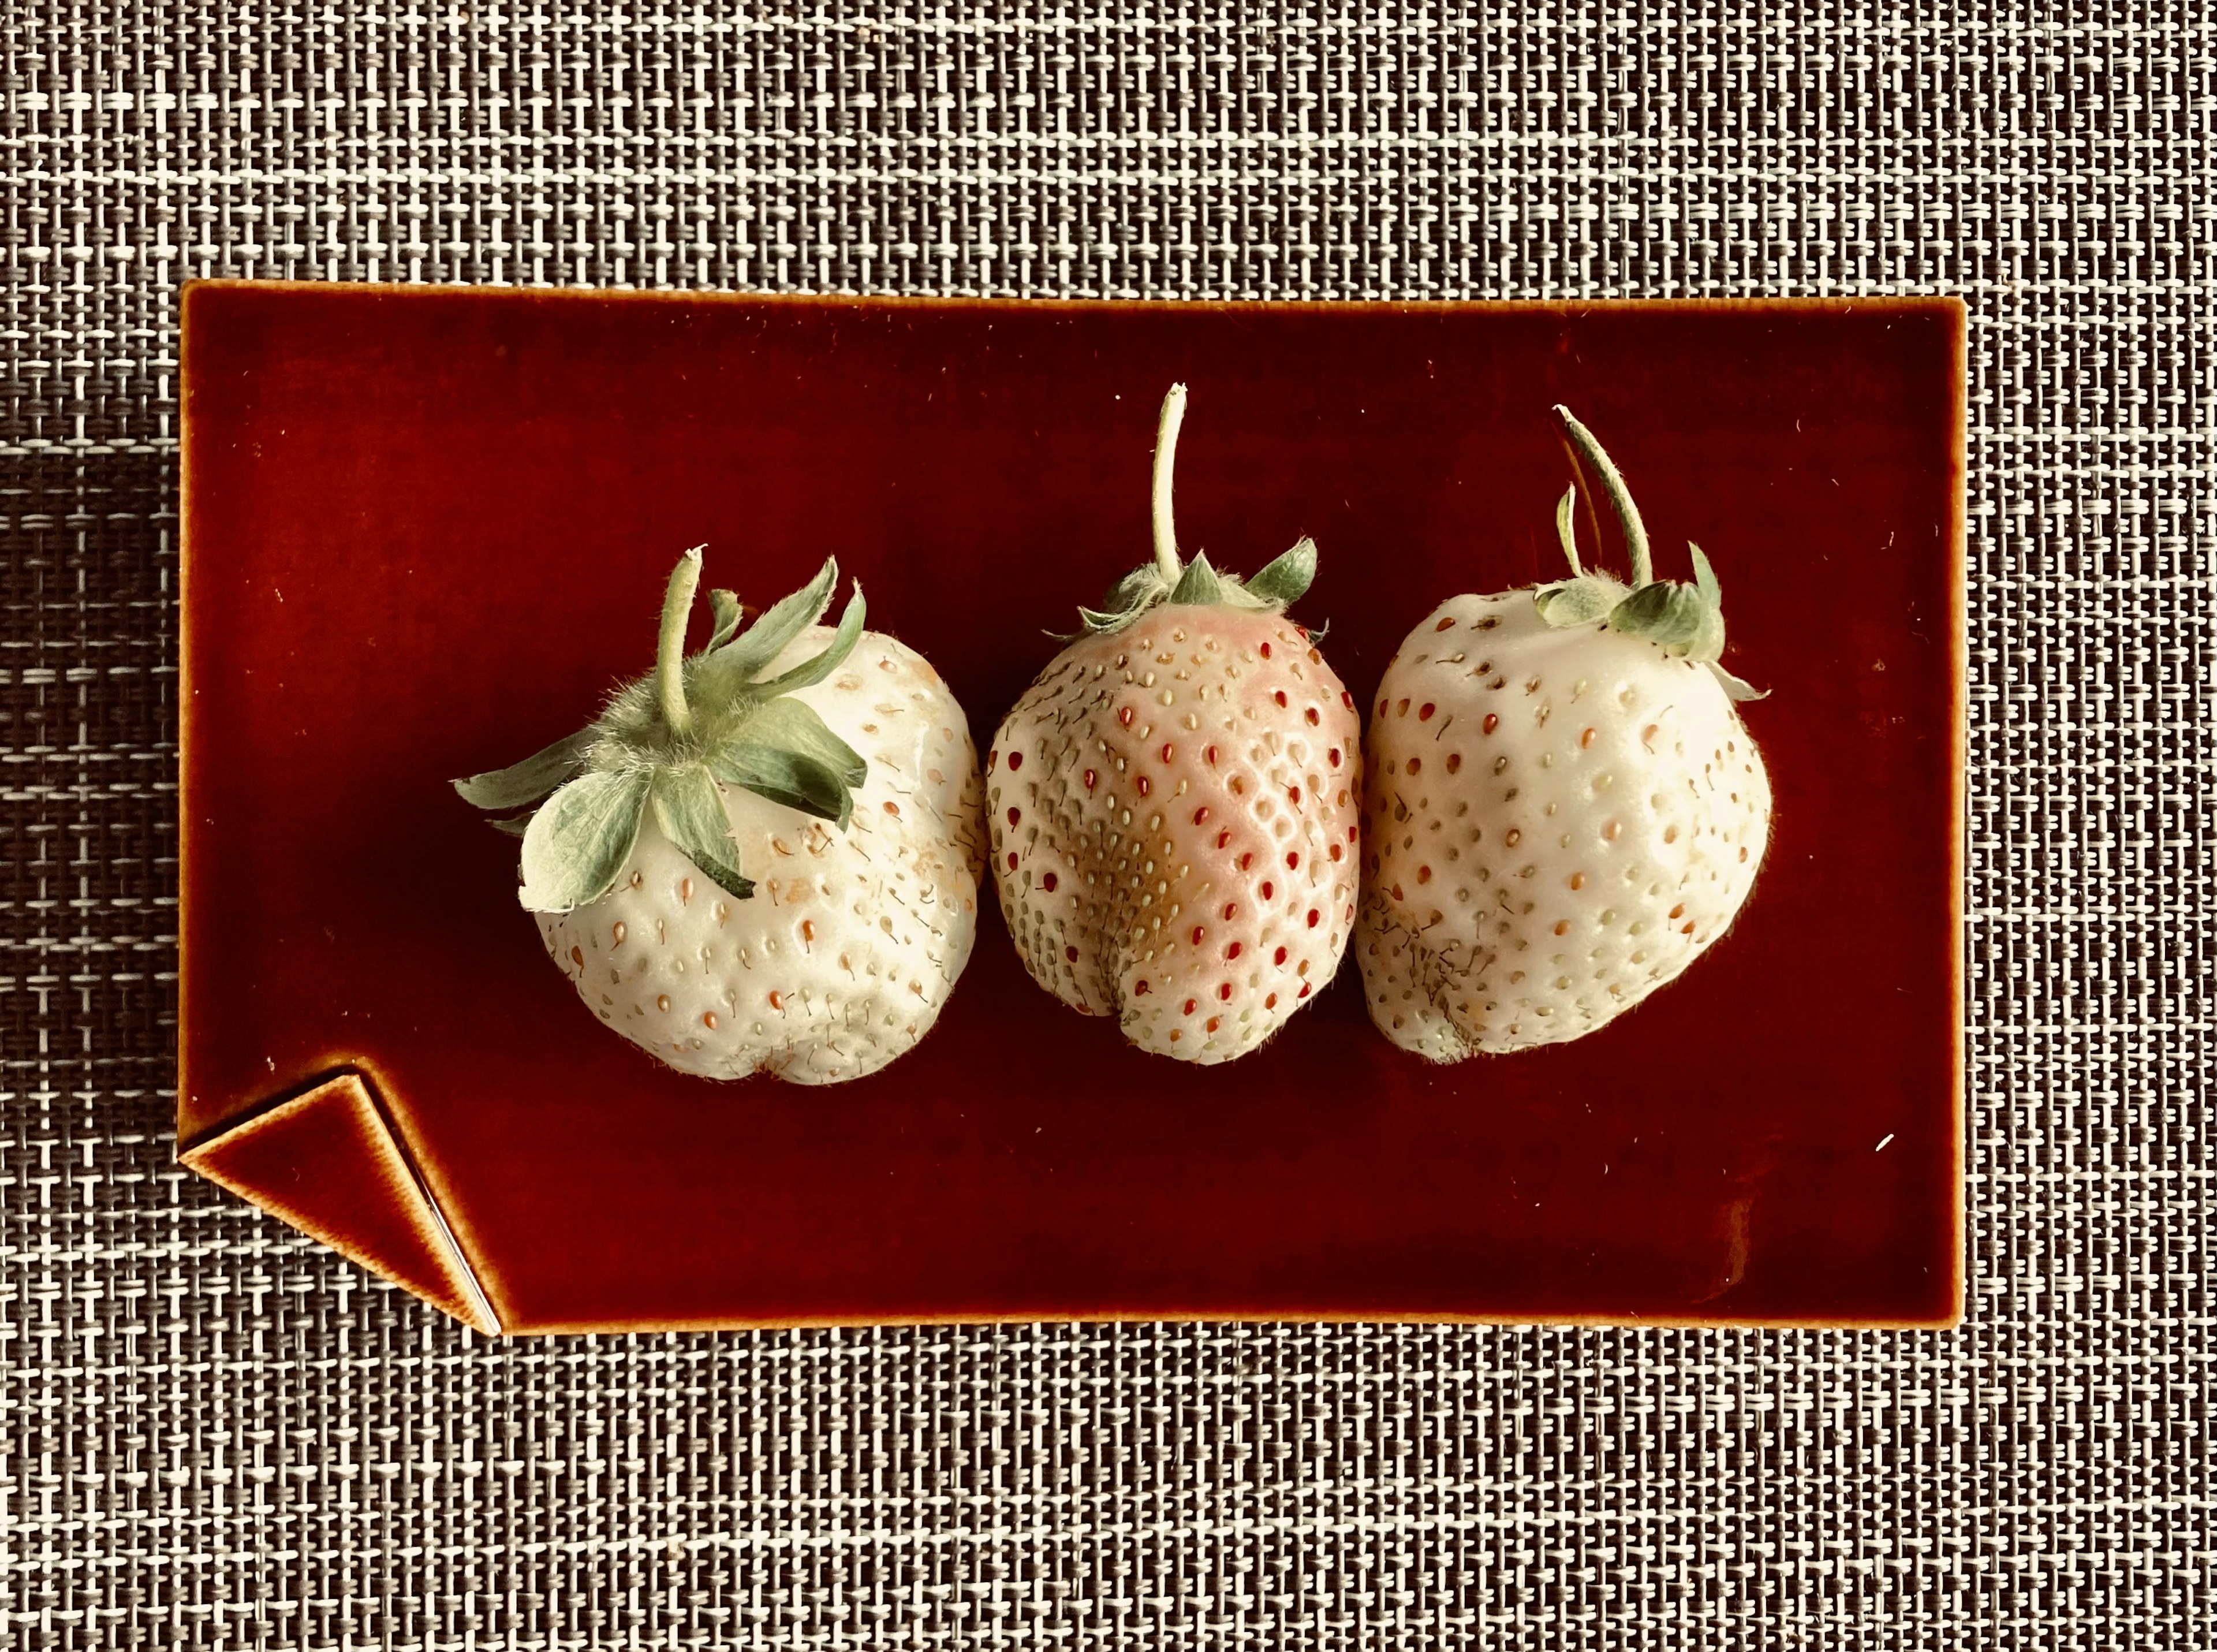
1595 465
670 649
1166 553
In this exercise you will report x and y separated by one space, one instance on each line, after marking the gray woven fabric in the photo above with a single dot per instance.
218 1435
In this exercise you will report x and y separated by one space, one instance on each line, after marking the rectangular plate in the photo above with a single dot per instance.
426 530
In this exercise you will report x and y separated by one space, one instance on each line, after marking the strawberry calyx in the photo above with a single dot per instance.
670 740
1685 620
1168 578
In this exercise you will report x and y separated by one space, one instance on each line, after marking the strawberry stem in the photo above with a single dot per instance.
670 651
1166 555
1600 475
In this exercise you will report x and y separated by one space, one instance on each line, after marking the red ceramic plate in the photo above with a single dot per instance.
425 530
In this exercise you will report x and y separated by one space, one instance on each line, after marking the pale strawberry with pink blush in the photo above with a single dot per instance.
1175 804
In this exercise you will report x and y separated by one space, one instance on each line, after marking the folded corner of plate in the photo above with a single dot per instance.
326 1159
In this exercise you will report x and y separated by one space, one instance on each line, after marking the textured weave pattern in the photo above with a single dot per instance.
217 1435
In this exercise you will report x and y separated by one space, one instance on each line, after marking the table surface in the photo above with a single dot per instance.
219 1434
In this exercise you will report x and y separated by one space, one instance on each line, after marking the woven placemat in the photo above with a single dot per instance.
217 1434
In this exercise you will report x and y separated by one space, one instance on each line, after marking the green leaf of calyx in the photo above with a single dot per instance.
1199 583
1579 601
1676 617
725 606
530 780
1286 579
799 782
1096 622
1566 527
793 726
1133 590
1128 598
1733 687
690 812
814 670
578 843
777 625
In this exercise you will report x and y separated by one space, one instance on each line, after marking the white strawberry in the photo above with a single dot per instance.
1563 808
764 856
1173 804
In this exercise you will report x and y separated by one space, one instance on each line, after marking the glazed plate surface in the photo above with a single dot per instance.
426 530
